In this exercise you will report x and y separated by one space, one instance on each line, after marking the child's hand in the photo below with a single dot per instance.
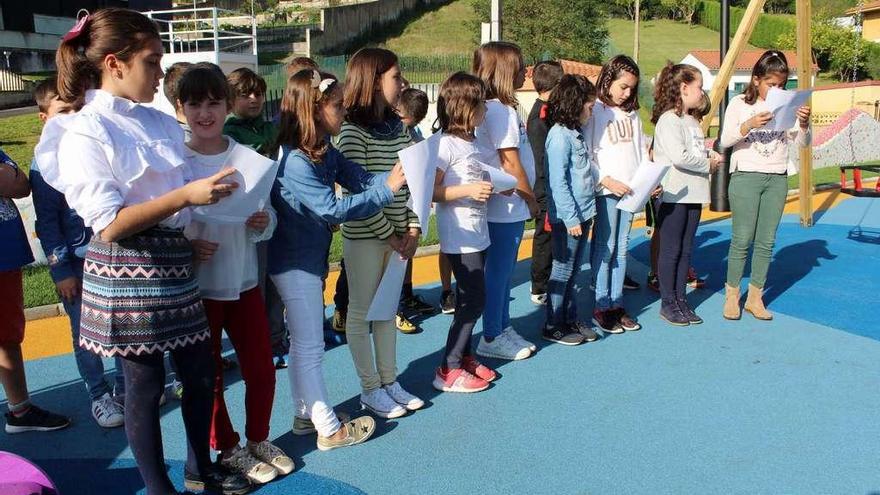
258 221
210 190
410 244
615 186
203 250
759 120
803 115
396 179
395 242
68 288
657 191
576 231
480 191
715 161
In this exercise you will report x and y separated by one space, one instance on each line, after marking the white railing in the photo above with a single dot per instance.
190 30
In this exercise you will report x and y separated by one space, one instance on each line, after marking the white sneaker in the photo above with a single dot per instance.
107 412
381 404
242 461
503 348
539 299
512 335
402 397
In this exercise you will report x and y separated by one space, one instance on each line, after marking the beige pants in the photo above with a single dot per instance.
365 262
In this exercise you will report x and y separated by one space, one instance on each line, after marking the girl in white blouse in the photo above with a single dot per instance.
121 166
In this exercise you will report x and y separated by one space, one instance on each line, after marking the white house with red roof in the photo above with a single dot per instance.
709 63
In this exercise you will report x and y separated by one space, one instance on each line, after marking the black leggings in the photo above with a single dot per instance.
470 297
678 225
144 384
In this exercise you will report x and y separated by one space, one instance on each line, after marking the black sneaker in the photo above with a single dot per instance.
562 335
218 479
670 312
629 283
693 318
447 302
35 419
418 305
585 330
653 282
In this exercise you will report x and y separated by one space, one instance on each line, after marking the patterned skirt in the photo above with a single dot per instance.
140 295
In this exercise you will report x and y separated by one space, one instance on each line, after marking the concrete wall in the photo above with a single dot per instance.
341 26
830 102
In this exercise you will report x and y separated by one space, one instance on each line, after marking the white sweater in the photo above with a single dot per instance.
761 150
616 142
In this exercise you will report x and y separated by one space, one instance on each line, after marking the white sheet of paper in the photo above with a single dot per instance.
783 104
384 305
648 176
255 175
419 166
501 180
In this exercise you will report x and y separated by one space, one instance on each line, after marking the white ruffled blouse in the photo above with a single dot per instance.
111 154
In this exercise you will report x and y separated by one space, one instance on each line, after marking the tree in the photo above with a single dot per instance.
836 48
572 29
682 9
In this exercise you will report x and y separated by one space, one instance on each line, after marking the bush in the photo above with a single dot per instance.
767 31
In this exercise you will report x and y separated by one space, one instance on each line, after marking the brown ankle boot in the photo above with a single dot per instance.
755 304
731 302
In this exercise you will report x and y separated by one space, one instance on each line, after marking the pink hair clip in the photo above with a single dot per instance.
77 28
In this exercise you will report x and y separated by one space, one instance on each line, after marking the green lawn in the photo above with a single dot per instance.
18 136
444 31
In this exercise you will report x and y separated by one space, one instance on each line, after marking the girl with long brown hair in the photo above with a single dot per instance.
503 141
305 201
121 166
371 136
679 142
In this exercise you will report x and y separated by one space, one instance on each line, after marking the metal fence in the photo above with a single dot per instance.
11 81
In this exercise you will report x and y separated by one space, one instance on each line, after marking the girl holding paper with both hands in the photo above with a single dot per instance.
759 165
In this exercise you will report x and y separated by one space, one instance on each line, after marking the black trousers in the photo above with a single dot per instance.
542 256
470 297
144 384
678 226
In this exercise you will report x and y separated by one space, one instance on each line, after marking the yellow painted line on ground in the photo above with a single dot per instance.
51 336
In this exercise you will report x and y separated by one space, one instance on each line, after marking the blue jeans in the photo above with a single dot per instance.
608 260
569 255
89 364
500 263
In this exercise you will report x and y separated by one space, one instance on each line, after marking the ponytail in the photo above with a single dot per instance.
121 32
667 90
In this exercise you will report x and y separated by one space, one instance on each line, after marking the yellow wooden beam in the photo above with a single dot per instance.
740 40
805 81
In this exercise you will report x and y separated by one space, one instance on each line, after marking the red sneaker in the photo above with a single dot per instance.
474 367
458 380
607 320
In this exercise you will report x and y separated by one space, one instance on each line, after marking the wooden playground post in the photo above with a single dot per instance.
638 19
740 40
805 81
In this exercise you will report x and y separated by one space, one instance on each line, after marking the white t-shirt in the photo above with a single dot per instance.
462 224
617 144
501 129
233 267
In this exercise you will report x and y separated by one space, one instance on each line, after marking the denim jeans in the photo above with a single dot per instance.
500 263
569 255
89 364
608 260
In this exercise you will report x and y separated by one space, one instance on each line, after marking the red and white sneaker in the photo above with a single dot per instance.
458 380
478 369
694 281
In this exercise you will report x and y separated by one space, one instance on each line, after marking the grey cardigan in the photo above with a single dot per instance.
679 142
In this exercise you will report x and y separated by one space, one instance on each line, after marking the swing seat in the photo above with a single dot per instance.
857 190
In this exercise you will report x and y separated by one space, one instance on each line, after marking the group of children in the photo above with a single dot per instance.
143 270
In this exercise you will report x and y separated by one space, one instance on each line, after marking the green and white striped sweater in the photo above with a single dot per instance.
377 155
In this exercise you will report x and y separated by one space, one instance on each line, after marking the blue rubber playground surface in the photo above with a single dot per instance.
788 406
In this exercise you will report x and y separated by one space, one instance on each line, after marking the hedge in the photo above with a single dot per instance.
766 32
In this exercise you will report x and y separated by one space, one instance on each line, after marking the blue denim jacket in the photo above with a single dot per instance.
305 200
570 189
61 231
